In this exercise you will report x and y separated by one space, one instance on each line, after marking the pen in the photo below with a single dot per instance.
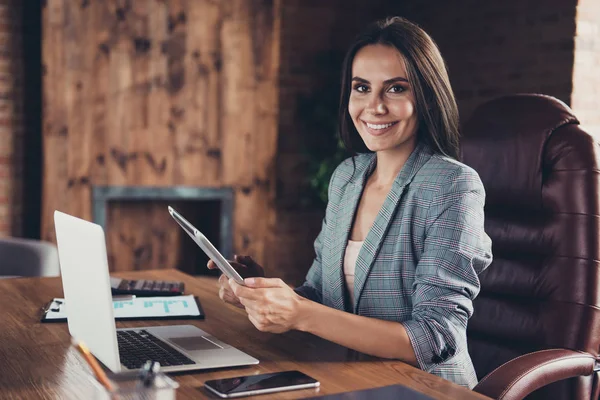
98 371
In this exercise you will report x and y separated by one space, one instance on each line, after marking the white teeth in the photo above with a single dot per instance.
373 126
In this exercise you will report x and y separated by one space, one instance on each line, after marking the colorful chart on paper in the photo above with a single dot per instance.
139 307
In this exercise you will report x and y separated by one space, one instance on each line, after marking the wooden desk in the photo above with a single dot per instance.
37 362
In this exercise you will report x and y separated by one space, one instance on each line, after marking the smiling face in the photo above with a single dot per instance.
382 104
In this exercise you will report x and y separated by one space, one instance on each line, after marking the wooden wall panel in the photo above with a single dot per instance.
55 141
160 93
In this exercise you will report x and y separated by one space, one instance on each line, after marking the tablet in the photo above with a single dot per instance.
207 247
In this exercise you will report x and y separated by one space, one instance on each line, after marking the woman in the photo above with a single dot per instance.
403 240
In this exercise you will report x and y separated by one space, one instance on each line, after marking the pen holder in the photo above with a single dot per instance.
129 387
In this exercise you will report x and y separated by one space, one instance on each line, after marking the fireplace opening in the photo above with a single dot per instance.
141 234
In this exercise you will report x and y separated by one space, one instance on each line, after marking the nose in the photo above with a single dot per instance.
376 106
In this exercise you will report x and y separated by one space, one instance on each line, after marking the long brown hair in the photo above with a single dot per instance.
436 107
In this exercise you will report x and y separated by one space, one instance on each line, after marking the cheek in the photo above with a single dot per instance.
405 110
354 108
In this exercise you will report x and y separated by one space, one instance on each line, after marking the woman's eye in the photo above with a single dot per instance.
361 88
396 89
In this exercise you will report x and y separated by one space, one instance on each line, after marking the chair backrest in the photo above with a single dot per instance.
28 257
541 173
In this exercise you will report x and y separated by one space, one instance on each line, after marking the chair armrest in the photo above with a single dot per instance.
519 377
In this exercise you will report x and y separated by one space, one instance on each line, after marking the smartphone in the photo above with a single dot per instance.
260 384
206 246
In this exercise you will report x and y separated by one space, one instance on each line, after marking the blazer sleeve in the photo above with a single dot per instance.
456 250
312 288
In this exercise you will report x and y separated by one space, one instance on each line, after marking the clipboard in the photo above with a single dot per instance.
136 308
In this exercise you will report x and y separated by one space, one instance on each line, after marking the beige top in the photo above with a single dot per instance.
350 265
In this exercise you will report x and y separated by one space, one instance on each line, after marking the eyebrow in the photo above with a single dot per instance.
386 82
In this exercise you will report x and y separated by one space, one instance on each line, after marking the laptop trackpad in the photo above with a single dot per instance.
194 343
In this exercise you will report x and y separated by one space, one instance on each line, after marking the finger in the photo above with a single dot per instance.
211 264
224 284
263 282
230 298
256 322
245 292
236 288
222 294
223 280
228 293
251 305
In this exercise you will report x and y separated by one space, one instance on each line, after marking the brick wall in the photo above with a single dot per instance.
585 99
11 120
315 33
312 31
491 48
499 47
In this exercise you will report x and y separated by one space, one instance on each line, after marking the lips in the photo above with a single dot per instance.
377 129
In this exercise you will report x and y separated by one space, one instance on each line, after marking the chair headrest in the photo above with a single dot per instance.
504 142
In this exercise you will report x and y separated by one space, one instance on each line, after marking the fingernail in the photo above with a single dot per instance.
249 281
231 281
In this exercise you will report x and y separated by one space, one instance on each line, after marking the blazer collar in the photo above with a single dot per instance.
420 155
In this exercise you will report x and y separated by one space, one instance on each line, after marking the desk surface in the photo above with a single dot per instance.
37 361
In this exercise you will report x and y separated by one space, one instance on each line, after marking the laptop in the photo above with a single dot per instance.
86 286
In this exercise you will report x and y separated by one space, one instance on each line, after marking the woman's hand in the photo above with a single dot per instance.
246 267
272 306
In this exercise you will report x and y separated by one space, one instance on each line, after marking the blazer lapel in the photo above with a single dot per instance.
342 229
378 231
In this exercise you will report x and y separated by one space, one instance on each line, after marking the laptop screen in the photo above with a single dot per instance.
86 286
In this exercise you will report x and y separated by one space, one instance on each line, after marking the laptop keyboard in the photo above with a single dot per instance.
137 347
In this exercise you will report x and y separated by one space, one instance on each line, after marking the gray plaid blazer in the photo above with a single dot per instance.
420 261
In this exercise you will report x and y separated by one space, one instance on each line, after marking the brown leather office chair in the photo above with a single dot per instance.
537 318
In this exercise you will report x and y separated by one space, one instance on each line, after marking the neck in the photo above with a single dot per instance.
390 163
